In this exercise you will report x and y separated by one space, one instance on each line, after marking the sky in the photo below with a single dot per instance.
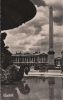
34 34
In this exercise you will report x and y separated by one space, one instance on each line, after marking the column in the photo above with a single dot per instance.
25 59
34 59
18 59
22 59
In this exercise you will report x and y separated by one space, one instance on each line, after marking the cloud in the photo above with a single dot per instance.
58 10
55 3
33 35
28 34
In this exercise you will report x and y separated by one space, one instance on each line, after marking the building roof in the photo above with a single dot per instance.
30 54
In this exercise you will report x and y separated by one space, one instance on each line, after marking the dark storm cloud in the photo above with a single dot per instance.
42 42
38 29
57 8
59 20
39 2
58 35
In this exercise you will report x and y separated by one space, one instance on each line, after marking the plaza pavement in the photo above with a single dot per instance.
49 73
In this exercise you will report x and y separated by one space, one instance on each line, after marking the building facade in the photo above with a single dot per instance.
38 60
27 59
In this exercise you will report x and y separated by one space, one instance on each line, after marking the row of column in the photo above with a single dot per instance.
29 59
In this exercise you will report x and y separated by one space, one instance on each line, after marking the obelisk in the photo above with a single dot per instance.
51 50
